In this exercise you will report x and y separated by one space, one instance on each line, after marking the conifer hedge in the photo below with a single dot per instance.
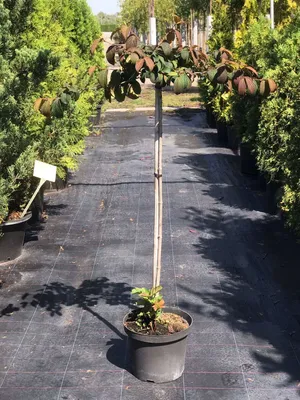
44 54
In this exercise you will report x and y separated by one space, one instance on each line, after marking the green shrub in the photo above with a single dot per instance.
278 138
44 50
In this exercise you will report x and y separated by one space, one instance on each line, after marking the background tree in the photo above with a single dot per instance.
107 19
136 14
108 22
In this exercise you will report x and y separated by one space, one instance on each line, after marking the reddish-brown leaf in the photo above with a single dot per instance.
222 76
202 55
150 64
139 64
110 54
171 36
131 41
125 31
38 103
251 69
158 305
272 85
224 57
136 50
242 87
251 85
91 70
195 60
262 87
179 38
45 107
95 45
238 75
177 19
224 50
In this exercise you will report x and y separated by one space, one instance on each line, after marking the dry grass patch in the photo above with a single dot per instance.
147 99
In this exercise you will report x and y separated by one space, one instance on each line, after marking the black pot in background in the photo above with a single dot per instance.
262 182
37 207
96 116
233 138
12 238
273 195
210 118
59 184
222 132
158 358
248 160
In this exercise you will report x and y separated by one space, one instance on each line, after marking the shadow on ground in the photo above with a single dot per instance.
256 261
55 296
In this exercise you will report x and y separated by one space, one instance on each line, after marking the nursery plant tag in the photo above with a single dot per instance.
44 171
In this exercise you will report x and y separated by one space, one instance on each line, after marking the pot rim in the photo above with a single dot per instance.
17 221
161 339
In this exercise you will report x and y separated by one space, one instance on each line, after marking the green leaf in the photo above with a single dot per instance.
119 94
185 54
166 48
115 78
57 109
65 98
136 87
155 290
138 290
211 74
102 78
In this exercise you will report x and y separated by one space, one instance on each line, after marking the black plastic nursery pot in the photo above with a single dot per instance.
273 194
210 118
37 207
222 132
95 118
233 139
248 160
12 238
158 358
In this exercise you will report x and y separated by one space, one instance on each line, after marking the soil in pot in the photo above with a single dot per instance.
167 324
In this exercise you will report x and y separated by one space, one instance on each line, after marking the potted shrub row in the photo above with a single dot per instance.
40 116
234 90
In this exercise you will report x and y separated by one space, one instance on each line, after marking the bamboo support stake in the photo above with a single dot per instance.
42 181
160 194
156 216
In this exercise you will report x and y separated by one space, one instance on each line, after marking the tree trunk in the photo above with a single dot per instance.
157 189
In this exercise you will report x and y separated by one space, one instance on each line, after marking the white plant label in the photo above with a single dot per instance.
44 171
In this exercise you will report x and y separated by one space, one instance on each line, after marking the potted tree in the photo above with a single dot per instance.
157 335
